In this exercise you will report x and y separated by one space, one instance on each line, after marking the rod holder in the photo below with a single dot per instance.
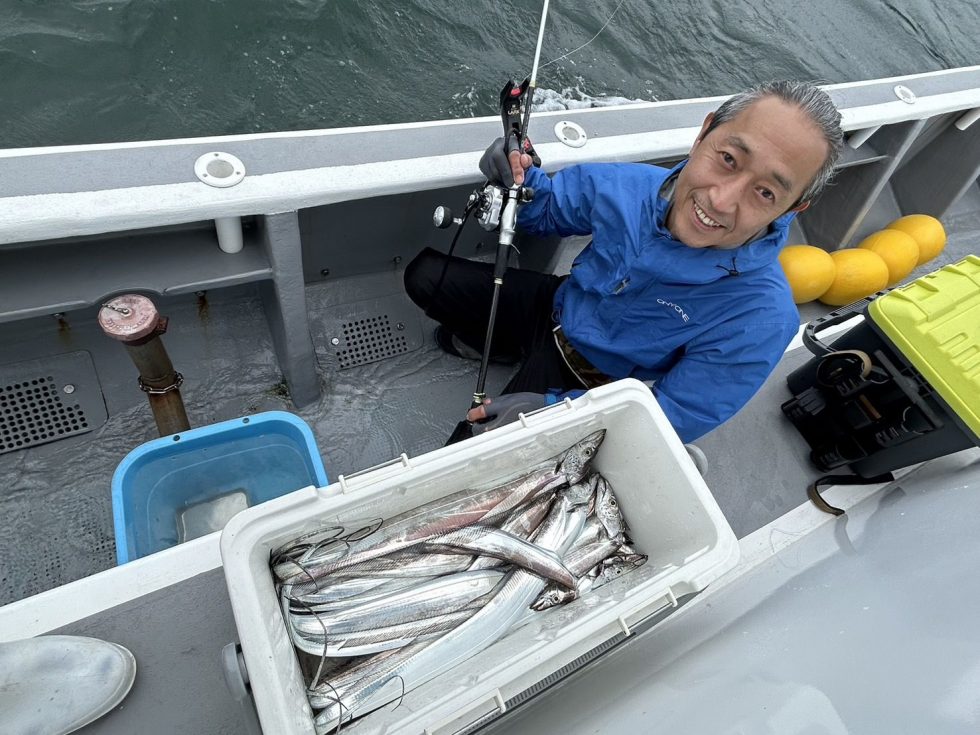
229 231
859 137
967 119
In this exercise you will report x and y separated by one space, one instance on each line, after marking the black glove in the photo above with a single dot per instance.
495 163
504 409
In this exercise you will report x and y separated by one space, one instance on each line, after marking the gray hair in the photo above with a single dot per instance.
813 102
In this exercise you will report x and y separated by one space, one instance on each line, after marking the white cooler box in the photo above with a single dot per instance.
671 514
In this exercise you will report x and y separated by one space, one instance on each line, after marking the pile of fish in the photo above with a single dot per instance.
391 605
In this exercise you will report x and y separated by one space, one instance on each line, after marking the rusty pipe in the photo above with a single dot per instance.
133 320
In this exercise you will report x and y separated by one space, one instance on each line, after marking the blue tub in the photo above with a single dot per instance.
178 487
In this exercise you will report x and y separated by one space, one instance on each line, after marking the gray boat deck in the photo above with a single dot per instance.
57 511
864 626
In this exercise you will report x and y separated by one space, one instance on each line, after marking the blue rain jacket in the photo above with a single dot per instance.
640 304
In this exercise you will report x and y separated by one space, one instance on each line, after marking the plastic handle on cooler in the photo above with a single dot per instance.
344 480
837 316
644 612
523 417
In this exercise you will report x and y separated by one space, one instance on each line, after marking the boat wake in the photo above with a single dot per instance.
573 98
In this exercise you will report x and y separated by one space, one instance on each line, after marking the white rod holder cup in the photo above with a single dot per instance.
229 233
968 118
859 137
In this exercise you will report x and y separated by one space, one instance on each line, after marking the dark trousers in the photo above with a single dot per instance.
524 322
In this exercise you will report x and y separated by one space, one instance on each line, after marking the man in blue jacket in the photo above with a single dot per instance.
680 287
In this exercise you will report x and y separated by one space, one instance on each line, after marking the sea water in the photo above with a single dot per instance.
88 71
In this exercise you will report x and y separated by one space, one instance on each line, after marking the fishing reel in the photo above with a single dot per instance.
488 203
495 205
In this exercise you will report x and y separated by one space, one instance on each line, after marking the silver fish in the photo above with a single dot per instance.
407 563
583 558
523 522
582 492
592 533
328 691
576 461
557 595
375 640
455 511
526 519
607 510
325 600
579 561
410 562
441 595
608 569
507 547
422 661
622 562
333 591
597 556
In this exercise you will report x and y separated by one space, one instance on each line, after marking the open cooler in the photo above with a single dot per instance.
672 517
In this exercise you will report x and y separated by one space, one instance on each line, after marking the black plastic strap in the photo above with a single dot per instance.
835 317
813 491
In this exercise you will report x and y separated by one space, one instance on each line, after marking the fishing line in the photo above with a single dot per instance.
323 655
608 21
306 541
401 697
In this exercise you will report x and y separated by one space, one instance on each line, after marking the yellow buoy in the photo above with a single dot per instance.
899 251
859 274
928 233
809 271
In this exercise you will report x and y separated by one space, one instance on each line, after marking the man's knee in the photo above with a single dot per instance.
422 274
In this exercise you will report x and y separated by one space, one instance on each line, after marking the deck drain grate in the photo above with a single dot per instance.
38 406
362 332
33 413
369 340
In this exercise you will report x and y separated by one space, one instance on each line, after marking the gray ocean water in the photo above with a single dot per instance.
91 71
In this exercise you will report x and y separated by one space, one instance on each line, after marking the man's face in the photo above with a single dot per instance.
744 174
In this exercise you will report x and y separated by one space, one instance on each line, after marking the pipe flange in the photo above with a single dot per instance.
571 134
129 318
219 169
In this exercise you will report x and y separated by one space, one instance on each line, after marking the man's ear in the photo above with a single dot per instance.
704 129
801 207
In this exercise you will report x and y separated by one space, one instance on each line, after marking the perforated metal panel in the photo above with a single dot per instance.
368 331
367 340
45 400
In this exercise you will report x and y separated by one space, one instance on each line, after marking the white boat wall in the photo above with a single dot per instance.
310 316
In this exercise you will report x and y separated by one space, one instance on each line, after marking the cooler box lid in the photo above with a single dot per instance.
935 322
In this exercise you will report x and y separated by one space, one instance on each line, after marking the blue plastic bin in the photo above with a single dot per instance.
249 460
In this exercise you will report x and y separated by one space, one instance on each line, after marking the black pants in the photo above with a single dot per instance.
524 315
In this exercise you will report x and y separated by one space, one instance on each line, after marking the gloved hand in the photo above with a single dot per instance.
503 163
502 410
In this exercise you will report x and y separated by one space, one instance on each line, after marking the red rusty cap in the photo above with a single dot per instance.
128 318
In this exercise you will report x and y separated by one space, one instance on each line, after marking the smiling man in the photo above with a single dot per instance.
680 287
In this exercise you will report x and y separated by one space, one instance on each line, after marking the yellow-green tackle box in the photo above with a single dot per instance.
901 387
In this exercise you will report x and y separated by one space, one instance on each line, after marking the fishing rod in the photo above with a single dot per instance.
496 208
